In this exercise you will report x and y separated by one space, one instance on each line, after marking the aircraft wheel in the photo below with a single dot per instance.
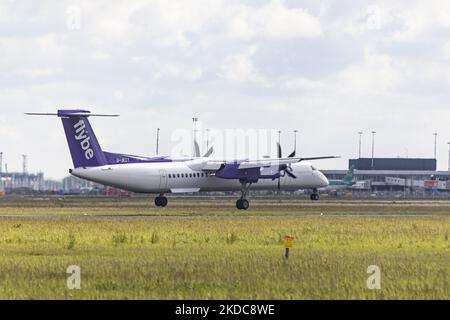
242 204
161 201
164 201
315 196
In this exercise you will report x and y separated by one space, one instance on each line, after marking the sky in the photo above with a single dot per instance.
328 69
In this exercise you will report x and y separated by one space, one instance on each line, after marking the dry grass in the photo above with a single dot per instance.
222 257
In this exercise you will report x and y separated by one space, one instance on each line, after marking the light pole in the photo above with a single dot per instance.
157 141
194 121
360 133
295 142
373 147
435 144
24 163
448 156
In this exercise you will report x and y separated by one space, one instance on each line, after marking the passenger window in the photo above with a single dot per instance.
170 176
178 175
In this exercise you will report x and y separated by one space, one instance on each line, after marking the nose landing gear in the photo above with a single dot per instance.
315 195
161 201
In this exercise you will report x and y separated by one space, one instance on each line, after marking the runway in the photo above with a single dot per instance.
200 216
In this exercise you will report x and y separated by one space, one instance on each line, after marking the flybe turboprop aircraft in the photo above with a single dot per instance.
162 175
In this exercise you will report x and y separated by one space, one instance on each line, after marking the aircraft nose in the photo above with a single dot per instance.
323 180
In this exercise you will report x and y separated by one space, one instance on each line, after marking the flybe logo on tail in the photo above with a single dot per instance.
80 135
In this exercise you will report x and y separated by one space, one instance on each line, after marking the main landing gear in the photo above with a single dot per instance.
315 195
161 201
242 203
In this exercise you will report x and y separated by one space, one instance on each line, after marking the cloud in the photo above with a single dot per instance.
174 23
177 71
420 19
274 19
375 75
303 84
240 68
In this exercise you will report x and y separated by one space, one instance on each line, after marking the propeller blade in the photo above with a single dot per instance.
290 174
197 149
279 150
209 152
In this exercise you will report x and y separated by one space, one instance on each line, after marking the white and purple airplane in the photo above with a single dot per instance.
162 174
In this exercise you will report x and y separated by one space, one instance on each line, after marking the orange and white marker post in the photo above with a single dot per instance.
288 244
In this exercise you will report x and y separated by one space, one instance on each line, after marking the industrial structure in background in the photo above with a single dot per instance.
24 182
35 183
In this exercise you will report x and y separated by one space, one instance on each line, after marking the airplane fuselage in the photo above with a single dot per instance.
178 177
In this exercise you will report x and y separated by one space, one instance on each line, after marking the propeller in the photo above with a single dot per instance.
209 152
197 151
285 168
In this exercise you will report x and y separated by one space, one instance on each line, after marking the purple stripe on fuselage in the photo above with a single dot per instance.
117 158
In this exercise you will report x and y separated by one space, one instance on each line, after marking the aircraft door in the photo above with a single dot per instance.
162 179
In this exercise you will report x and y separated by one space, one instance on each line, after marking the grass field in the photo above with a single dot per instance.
182 252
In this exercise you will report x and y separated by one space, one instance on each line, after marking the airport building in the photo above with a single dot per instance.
412 176
393 164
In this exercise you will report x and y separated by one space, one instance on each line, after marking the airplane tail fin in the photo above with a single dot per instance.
83 144
349 176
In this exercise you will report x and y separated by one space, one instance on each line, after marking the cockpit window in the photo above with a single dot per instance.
313 168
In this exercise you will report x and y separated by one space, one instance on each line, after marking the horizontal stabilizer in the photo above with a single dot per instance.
71 113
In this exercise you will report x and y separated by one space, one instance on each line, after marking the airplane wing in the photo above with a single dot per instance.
248 164
214 165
